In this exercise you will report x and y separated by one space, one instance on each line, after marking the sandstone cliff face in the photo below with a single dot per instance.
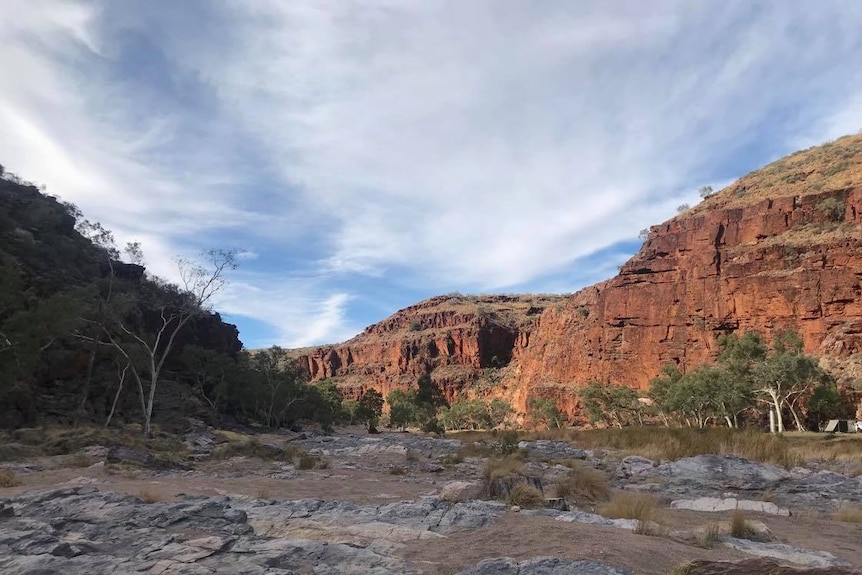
778 264
779 249
455 338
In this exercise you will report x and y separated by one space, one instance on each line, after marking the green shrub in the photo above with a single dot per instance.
832 208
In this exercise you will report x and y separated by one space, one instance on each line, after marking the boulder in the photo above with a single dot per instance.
633 465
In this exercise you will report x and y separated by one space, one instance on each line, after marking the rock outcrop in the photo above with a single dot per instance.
778 264
779 249
461 340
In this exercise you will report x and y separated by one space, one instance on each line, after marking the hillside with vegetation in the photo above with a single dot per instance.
87 336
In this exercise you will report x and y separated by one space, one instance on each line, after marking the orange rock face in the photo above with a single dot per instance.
775 265
779 249
460 340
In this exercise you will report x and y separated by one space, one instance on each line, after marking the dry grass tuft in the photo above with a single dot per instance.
638 506
790 450
255 449
8 479
501 468
583 485
29 442
472 449
683 569
308 462
451 459
148 496
231 436
710 536
739 526
80 460
411 455
526 496
849 514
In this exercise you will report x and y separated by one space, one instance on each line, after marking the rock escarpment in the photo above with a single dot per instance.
779 249
752 257
463 341
776 265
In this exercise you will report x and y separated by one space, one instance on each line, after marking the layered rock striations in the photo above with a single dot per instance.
752 257
779 249
459 339
776 265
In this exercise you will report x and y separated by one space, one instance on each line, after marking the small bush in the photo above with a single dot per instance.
397 470
526 496
849 514
8 479
506 444
739 526
832 208
637 506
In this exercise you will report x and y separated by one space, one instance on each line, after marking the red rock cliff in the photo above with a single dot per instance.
456 338
779 249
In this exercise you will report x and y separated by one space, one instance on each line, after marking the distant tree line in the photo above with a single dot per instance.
748 379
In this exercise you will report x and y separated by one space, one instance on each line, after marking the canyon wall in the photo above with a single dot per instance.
778 264
780 249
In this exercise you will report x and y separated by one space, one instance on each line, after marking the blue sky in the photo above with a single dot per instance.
368 155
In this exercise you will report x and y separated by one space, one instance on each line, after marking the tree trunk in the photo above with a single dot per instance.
122 376
799 425
779 419
85 394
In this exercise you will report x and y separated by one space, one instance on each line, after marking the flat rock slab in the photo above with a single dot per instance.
551 449
785 553
760 567
542 566
714 504
82 531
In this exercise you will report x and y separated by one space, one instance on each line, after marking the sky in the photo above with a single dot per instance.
365 155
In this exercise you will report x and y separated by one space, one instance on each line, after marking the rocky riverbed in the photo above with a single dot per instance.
408 503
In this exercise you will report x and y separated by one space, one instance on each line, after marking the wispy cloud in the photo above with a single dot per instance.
301 312
434 144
